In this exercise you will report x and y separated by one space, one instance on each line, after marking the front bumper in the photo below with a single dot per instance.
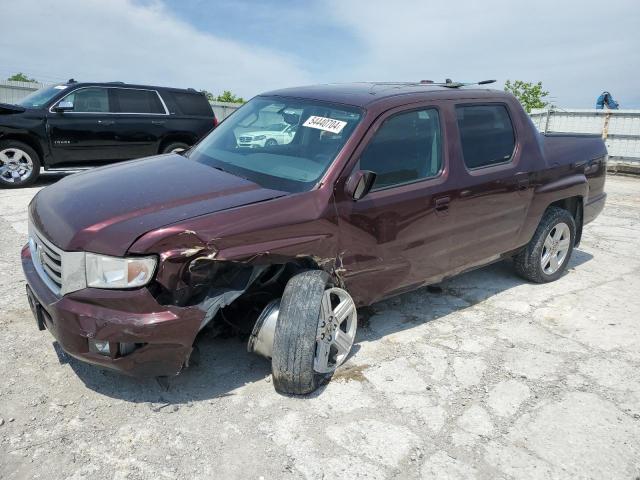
165 333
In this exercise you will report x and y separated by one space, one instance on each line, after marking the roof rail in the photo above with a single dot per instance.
429 83
451 84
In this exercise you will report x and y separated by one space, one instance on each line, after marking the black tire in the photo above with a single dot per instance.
294 343
271 143
35 161
527 263
174 146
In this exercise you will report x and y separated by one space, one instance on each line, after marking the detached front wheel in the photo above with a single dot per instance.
316 329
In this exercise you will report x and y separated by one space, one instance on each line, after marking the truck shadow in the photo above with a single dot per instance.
457 293
47 178
223 365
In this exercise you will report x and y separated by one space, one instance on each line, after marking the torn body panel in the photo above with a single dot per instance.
230 251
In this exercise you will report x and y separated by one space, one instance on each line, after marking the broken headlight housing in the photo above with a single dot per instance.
103 271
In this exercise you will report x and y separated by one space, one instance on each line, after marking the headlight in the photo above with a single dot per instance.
260 137
114 272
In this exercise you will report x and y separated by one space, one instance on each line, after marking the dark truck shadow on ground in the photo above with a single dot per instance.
48 178
223 364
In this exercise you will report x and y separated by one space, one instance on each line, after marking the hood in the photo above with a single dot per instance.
7 108
107 209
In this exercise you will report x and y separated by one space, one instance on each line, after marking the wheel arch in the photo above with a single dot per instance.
28 140
176 137
566 192
575 206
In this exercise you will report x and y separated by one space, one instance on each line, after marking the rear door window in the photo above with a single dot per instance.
486 135
129 100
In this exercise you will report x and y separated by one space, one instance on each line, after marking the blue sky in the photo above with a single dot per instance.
286 26
576 48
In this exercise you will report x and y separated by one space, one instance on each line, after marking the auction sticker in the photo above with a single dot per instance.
324 123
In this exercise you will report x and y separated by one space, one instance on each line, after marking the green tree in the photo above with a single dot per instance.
21 77
531 95
209 95
228 96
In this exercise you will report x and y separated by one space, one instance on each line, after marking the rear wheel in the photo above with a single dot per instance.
19 164
546 256
315 332
176 147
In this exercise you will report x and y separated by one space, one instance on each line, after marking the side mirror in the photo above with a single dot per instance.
360 183
65 106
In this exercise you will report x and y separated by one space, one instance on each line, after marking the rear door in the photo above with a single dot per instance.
140 122
85 134
491 205
396 237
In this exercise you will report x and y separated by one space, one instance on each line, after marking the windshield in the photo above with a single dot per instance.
41 97
279 143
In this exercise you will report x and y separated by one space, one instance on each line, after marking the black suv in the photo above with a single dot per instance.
76 125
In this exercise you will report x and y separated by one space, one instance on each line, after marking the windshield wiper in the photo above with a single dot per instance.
231 173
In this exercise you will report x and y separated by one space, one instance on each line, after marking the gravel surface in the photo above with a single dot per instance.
490 377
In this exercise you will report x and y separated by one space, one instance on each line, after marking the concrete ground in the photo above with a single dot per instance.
490 378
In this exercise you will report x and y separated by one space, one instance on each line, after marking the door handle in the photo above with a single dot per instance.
106 123
158 122
442 205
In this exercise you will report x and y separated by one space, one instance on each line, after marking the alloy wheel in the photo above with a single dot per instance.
16 166
555 248
336 330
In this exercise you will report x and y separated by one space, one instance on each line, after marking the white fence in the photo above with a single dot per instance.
620 129
223 110
12 92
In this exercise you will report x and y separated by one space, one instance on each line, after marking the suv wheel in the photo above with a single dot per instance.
315 332
546 256
19 164
176 147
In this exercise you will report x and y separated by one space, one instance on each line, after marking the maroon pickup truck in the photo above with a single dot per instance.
303 205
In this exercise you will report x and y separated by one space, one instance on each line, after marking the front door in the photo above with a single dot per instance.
395 238
85 134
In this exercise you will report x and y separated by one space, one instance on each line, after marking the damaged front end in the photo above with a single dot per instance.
237 295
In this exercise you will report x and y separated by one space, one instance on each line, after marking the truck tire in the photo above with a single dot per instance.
547 255
19 164
175 147
314 333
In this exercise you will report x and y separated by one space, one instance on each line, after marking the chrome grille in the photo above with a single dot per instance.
63 272
245 139
47 258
